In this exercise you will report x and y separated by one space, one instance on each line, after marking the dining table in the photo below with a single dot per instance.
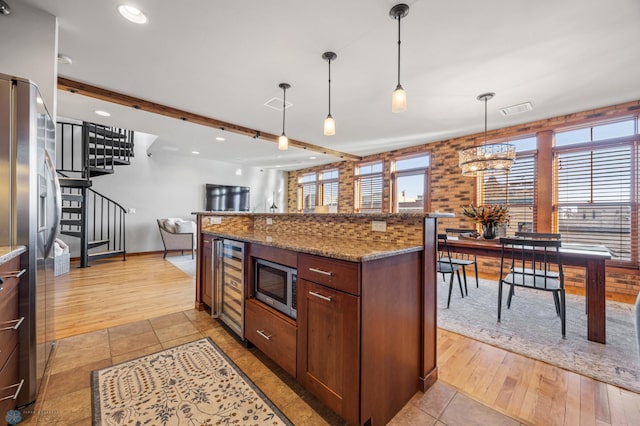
590 257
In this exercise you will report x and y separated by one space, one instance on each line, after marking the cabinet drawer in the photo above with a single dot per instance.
273 335
9 320
10 387
334 273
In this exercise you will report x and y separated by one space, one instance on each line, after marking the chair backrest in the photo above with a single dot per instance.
536 261
538 235
443 248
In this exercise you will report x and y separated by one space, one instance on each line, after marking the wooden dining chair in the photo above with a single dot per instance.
534 264
464 259
444 266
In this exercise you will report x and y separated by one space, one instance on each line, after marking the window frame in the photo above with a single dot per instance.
357 186
415 171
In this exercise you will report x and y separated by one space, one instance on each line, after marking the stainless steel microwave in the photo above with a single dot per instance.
276 285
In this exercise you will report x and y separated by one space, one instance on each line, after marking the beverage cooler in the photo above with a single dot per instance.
228 284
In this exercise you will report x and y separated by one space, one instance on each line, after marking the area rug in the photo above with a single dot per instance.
191 384
532 328
185 263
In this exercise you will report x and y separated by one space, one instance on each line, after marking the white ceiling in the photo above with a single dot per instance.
225 59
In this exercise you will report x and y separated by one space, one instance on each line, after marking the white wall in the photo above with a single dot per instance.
29 48
168 185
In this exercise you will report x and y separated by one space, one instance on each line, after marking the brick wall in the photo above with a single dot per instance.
450 190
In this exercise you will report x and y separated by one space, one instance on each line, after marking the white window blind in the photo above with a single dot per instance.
595 200
329 182
307 192
517 190
368 188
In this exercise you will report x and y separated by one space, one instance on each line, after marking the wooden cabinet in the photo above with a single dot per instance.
273 333
207 271
359 334
10 384
329 346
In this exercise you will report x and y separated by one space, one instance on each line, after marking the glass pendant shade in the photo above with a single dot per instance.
329 126
399 100
283 142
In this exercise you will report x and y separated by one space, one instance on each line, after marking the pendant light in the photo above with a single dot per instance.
329 122
399 97
283 140
487 159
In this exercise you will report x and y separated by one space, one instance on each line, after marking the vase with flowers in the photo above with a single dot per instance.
489 216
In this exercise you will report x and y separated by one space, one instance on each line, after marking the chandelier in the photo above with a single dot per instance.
487 159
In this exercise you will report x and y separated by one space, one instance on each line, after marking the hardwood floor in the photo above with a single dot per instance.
112 293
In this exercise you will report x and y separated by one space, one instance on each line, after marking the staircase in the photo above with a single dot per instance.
85 151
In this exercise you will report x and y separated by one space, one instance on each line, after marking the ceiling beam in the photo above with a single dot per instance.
107 95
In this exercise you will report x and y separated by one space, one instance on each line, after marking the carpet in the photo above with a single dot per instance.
532 328
194 383
185 263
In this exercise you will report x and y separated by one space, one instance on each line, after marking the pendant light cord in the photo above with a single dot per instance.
284 106
485 120
329 60
399 19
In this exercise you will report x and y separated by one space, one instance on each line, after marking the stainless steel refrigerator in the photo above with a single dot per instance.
29 215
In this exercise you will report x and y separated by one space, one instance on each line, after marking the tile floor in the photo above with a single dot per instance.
65 395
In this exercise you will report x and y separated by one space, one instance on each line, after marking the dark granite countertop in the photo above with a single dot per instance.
9 252
338 248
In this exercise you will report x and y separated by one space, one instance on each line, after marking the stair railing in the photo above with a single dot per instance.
105 146
106 222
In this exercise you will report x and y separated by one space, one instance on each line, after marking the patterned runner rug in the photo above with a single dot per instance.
532 328
191 384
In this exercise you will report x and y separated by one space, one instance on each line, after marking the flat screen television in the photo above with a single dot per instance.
226 198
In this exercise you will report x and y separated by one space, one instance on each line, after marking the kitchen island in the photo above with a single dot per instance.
364 338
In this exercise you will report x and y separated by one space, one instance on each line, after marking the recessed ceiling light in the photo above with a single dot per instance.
220 138
102 113
312 158
238 172
64 59
132 14
195 152
278 165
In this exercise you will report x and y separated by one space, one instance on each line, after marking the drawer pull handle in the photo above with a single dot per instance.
320 271
14 274
15 395
318 295
263 334
15 327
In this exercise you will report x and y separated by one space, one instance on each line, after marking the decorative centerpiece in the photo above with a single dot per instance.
489 216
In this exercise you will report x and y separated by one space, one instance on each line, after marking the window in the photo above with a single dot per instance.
596 197
307 192
368 187
516 189
328 182
410 181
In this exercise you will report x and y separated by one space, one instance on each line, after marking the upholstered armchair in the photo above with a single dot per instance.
177 234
